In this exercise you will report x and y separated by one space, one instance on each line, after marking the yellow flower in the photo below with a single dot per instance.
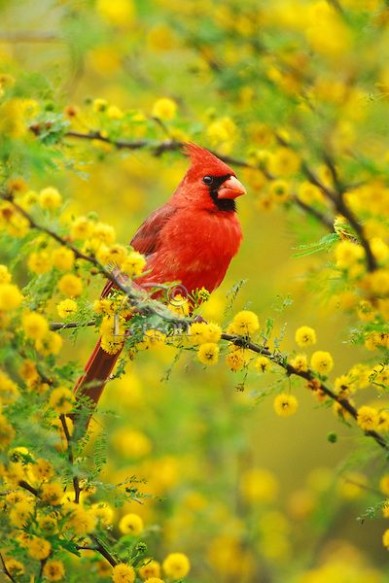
51 493
176 565
164 109
5 276
208 353
244 323
154 580
67 308
299 362
63 258
50 344
279 190
70 285
305 336
123 573
202 332
8 389
385 538
104 233
149 570
237 358
284 162
384 484
39 262
54 570
50 198
131 524
347 254
35 326
262 363
368 418
61 400
10 297
21 513
103 512
39 548
80 520
28 371
258 485
42 469
111 343
285 405
48 524
118 13
133 264
81 228
322 362
16 568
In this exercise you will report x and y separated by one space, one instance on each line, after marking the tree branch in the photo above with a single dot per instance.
307 375
76 481
5 570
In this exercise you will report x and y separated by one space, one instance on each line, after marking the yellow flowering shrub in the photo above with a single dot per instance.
167 480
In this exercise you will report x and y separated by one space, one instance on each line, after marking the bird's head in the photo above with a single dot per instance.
209 182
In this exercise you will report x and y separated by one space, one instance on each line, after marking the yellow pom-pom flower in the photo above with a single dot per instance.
164 108
208 353
385 538
49 198
70 285
51 493
54 570
10 297
122 573
61 400
299 362
244 323
39 548
176 565
262 364
131 524
368 418
35 326
63 258
202 332
305 336
51 344
237 358
322 362
150 570
133 264
5 276
81 228
67 308
285 405
39 262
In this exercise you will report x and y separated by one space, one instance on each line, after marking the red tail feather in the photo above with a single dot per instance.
97 372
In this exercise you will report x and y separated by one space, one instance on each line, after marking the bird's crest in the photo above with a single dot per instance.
202 159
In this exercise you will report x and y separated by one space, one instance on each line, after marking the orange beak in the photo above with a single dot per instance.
231 188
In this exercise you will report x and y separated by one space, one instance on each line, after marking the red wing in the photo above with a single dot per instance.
147 239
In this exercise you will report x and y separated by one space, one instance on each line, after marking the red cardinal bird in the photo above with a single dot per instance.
191 239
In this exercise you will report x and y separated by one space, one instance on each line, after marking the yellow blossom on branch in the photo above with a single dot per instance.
67 308
176 565
305 336
322 362
164 109
123 573
131 524
244 323
39 548
10 297
368 418
70 285
54 570
202 332
49 198
285 405
61 400
35 326
208 353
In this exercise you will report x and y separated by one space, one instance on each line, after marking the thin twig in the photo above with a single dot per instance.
6 572
76 481
100 548
28 487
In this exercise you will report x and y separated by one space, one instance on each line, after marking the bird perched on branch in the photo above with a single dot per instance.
191 239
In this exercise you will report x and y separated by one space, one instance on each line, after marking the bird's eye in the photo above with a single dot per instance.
208 180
